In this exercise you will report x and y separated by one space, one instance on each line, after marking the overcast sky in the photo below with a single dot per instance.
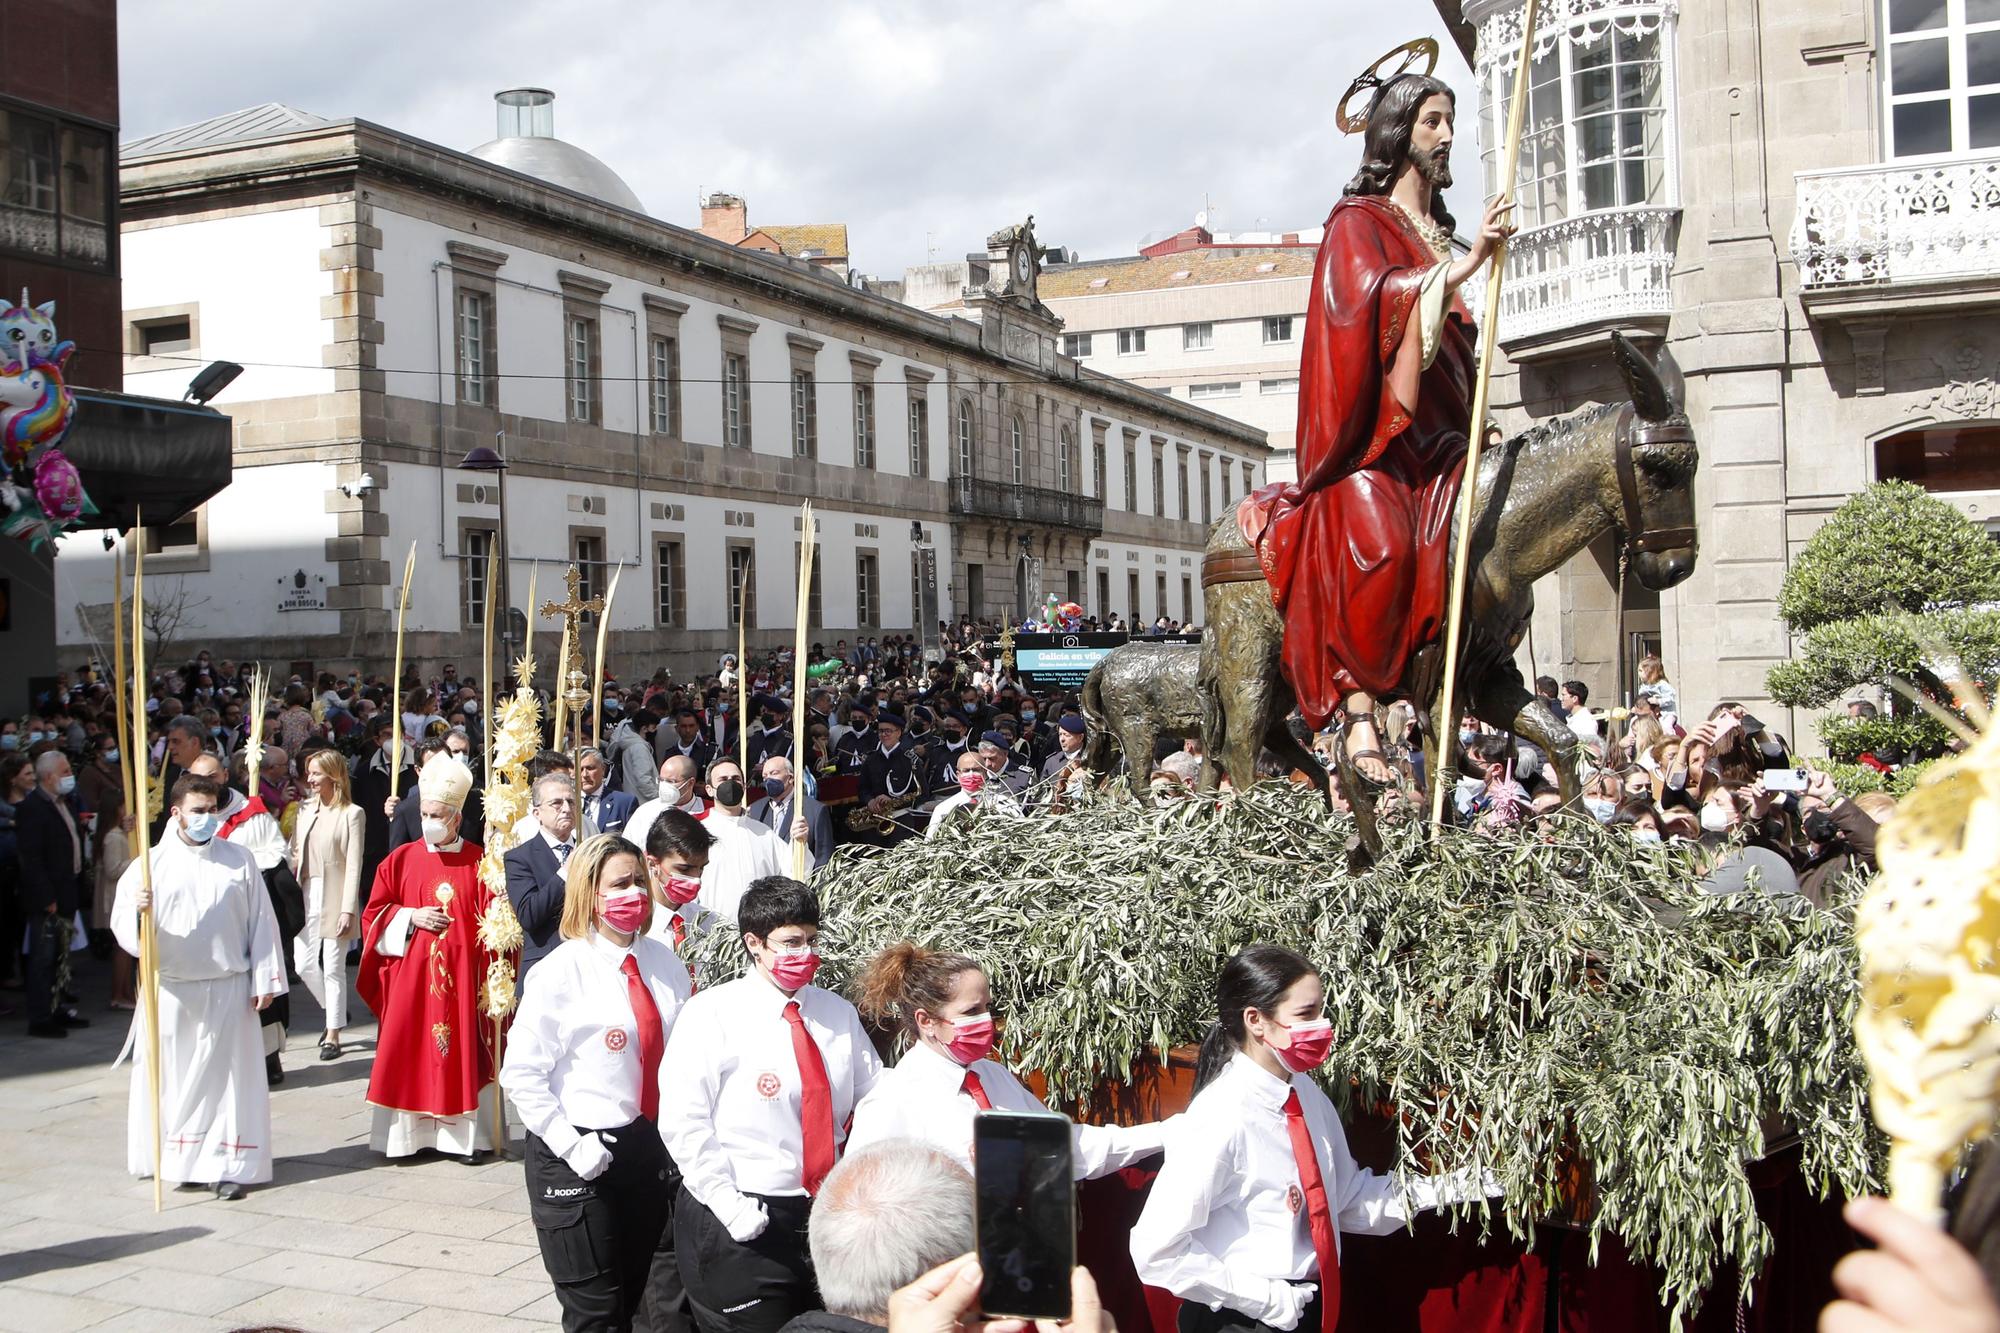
921 125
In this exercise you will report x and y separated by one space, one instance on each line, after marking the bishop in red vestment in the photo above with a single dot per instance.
1355 549
421 970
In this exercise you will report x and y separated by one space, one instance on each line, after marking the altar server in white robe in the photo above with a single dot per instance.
944 1006
221 962
742 850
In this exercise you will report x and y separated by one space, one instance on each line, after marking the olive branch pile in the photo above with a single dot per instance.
1569 1014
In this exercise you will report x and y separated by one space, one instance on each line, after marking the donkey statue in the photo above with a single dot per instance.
1542 497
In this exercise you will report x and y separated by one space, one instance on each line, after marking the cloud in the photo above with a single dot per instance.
923 126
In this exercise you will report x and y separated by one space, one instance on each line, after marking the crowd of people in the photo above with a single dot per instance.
723 1158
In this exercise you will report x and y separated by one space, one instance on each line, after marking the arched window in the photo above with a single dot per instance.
1062 464
1018 457
965 438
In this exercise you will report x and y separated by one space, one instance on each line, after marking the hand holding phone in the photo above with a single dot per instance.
1025 1185
1784 779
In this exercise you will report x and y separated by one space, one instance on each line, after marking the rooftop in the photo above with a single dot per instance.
1188 268
255 122
827 240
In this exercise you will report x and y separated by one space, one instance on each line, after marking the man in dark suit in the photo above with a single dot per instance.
606 811
783 806
685 739
775 735
186 741
407 825
535 868
50 845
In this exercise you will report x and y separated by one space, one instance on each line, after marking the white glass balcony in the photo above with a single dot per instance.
1899 224
1604 269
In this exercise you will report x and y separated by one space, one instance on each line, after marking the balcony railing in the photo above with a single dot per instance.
977 497
1898 223
1592 269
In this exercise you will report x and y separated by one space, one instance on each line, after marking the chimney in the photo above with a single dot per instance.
724 217
525 113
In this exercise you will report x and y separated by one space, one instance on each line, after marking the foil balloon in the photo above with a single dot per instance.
58 488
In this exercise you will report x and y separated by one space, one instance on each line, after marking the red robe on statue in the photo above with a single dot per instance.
1355 549
433 1051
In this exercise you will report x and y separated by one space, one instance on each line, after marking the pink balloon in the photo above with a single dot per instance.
58 488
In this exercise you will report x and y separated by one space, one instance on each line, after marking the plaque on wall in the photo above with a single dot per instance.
300 591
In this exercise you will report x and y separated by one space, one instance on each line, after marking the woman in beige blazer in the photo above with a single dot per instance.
326 857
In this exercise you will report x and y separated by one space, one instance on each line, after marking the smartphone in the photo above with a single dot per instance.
1785 779
1026 1213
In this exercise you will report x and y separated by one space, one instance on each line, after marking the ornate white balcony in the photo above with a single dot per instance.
1599 270
1897 231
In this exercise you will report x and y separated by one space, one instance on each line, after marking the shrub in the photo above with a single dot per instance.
1891 546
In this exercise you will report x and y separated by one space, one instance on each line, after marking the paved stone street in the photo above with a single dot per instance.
339 1242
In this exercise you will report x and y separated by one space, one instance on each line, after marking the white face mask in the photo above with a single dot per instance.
671 793
1715 819
1645 835
437 832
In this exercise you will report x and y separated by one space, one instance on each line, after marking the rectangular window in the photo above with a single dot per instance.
1941 76
1104 596
55 189
965 438
587 550
1076 344
1097 466
814 615
1187 599
1225 483
475 549
1159 594
805 414
1277 328
1197 337
864 425
920 434
669 583
1062 465
1249 478
664 381
1290 384
1131 342
166 337
1131 477
1217 389
1207 511
475 346
1159 481
735 417
579 362
867 592
742 594
1181 478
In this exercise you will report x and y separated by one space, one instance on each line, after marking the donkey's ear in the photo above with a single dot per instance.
1669 371
1649 395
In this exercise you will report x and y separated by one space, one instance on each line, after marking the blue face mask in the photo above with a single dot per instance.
201 828
65 784
774 787
1600 809
1027 715
11 741
35 737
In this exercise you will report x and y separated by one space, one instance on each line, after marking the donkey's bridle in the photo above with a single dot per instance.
1634 434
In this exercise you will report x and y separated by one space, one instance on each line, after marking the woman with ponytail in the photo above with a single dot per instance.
943 1005
1243 1222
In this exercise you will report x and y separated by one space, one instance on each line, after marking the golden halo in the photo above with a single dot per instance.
1370 81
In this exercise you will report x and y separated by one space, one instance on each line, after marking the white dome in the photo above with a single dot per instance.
562 164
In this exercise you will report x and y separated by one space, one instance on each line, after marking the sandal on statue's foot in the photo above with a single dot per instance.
1377 781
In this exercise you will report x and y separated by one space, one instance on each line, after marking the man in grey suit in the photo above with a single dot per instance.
784 808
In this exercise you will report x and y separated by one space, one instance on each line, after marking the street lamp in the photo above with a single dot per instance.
482 459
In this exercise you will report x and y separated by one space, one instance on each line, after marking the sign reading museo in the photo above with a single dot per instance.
1060 661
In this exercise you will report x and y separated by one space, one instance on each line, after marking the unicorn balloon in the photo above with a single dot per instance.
41 494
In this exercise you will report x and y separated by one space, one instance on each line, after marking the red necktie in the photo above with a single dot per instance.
976 1090
1318 1215
680 931
815 1101
652 1037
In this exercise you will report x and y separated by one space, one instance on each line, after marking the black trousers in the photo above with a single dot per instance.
1198 1318
608 1243
47 964
746 1287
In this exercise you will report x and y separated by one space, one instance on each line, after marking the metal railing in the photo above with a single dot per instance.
1607 265
1888 223
977 497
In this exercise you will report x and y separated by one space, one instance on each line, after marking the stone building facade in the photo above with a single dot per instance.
662 400
1803 200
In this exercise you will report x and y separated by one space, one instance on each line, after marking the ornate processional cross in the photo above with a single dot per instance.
575 684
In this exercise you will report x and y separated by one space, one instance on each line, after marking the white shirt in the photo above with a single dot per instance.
1582 723
573 1052
639 826
211 910
745 850
527 826
1220 1226
729 1088
924 1098
259 834
992 797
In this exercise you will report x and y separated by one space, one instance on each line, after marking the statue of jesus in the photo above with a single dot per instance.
1355 549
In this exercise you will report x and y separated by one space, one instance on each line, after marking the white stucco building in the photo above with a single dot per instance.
663 402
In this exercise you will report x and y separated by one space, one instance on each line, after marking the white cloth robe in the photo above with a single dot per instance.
219 950
745 850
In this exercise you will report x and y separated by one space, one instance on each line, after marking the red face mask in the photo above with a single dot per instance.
625 912
971 783
1311 1042
971 1039
795 969
680 892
